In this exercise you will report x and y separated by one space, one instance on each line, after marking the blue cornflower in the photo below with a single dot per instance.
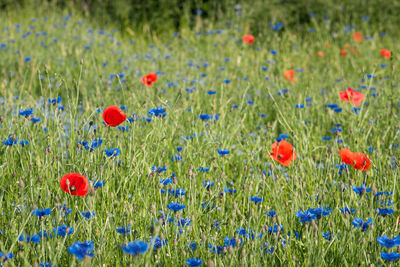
177 192
179 148
207 184
81 250
41 213
387 242
241 231
229 190
65 209
347 210
157 242
327 236
124 230
54 101
184 222
46 234
23 143
176 158
393 256
359 223
135 247
35 120
158 112
387 193
385 212
123 128
305 216
275 229
112 152
193 262
332 106
215 249
320 211
283 136
159 169
46 264
267 249
34 239
87 214
98 183
26 112
256 199
176 206
211 92
192 246
229 242
205 117
223 152
6 256
63 230
361 189
166 181
271 213
203 169
10 141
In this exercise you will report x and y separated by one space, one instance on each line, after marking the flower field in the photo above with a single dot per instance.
211 146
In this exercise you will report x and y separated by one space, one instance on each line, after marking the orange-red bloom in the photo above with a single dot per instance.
358 37
385 53
289 75
321 54
283 152
113 116
343 52
351 95
74 184
248 38
359 161
149 79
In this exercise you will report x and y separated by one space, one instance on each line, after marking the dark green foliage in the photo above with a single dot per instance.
172 15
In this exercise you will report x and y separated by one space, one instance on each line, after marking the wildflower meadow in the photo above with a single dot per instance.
231 142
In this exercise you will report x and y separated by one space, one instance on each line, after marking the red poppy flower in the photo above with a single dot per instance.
385 53
358 37
289 75
248 38
283 152
321 54
359 161
113 116
74 184
351 95
149 79
343 52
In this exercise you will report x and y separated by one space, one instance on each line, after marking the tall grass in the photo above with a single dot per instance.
91 69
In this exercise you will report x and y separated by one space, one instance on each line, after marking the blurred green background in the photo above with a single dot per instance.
161 16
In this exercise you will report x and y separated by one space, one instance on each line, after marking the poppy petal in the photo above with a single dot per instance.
113 116
75 184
